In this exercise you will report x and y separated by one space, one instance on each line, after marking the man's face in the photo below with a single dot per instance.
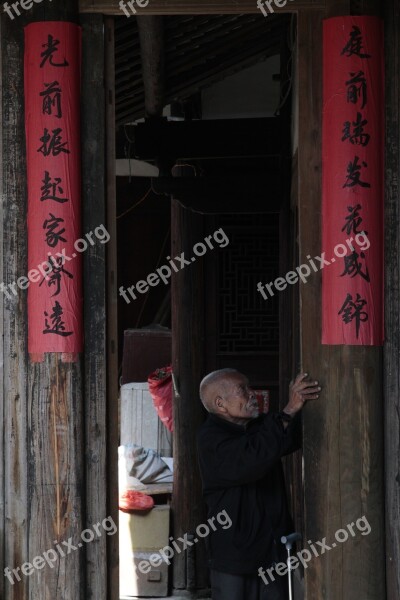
237 401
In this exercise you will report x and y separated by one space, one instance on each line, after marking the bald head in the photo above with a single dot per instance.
215 384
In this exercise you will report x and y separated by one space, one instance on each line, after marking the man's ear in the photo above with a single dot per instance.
219 404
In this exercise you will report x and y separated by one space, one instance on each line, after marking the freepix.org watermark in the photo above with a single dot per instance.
13 10
263 5
55 263
175 264
317 549
51 557
183 543
128 8
316 264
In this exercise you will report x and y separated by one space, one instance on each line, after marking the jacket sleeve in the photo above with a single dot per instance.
293 435
237 460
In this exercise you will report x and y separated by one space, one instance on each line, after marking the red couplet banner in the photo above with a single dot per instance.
52 125
353 187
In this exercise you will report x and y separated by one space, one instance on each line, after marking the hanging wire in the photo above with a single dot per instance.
130 144
157 265
135 205
177 165
291 44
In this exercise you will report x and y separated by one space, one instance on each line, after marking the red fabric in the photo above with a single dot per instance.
262 397
160 387
52 124
130 501
353 163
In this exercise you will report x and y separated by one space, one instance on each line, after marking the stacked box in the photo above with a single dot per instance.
141 536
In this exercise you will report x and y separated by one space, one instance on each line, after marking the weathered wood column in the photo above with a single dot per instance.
43 444
392 294
188 296
343 430
97 452
14 405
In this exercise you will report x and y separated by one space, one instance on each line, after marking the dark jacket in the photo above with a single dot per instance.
242 474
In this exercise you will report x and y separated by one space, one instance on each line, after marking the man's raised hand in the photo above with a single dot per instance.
300 391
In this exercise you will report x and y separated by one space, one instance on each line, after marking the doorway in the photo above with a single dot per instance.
221 150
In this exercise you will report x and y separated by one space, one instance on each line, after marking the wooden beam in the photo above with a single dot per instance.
392 296
343 449
151 35
229 194
197 7
219 138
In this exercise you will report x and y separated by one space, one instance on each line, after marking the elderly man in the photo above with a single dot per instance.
240 463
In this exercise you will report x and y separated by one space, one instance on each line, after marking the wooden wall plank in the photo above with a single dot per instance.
94 260
196 7
55 483
188 364
392 295
2 478
343 454
112 323
14 365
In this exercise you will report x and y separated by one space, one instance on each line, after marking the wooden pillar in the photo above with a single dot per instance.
188 296
343 430
94 276
392 296
14 405
43 443
55 438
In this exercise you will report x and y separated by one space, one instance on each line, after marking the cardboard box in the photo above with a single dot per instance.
141 536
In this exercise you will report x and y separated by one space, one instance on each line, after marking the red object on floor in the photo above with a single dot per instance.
131 500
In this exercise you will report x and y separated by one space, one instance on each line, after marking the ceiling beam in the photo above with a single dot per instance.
242 194
218 138
196 7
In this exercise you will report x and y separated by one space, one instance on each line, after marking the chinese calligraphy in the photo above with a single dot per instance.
355 44
355 132
357 92
50 189
52 99
53 236
352 310
52 68
353 220
50 48
52 144
57 325
354 174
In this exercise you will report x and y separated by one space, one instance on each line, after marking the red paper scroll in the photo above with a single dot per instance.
52 124
353 163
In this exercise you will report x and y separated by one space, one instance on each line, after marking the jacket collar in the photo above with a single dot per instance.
232 426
